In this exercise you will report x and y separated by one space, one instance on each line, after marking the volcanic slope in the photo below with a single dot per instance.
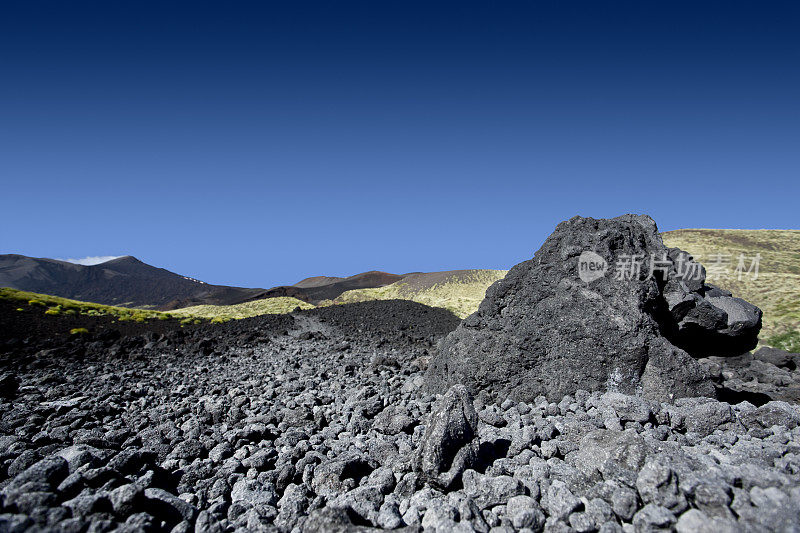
124 281
459 291
44 315
321 288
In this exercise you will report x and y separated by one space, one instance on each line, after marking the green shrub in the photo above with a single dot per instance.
53 311
217 320
70 307
20 309
139 319
79 331
789 341
186 321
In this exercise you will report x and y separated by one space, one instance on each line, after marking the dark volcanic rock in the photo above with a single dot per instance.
272 431
708 320
768 374
779 358
9 384
447 447
545 329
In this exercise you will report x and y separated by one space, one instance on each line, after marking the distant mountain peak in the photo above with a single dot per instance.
122 280
123 259
93 260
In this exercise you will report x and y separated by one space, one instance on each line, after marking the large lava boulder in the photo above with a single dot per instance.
603 305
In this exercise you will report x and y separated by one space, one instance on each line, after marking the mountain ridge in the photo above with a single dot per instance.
125 281
776 290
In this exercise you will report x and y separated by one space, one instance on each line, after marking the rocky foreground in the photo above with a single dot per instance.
319 421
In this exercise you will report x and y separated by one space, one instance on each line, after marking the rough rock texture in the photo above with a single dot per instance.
278 424
448 446
707 320
767 374
544 330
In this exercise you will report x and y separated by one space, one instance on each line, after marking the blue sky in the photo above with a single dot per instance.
259 143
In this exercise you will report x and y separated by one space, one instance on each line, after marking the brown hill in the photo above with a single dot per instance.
124 281
319 288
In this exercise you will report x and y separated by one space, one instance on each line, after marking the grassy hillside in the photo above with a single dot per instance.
776 290
459 292
268 306
55 305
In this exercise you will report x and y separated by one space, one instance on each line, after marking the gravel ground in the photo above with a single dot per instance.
318 421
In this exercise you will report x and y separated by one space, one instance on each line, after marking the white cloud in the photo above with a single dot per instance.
92 260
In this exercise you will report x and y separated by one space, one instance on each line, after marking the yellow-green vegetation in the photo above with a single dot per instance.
221 313
460 293
776 288
57 306
789 341
215 314
78 331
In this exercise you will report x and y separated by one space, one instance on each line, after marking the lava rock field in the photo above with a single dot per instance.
319 421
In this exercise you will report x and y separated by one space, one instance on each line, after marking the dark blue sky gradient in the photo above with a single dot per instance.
257 144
